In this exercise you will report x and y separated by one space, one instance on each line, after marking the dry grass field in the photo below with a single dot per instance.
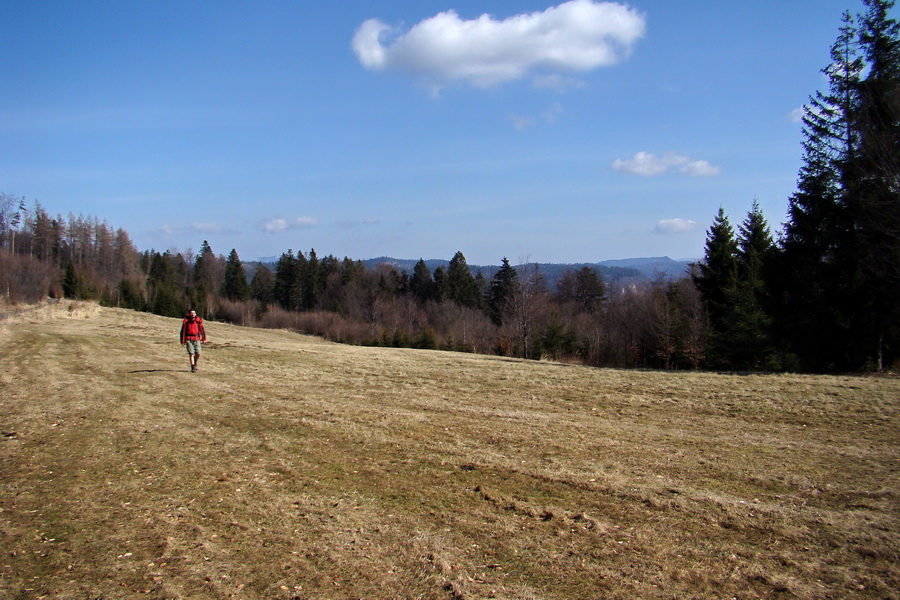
288 467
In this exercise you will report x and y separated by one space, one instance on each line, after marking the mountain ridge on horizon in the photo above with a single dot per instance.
642 267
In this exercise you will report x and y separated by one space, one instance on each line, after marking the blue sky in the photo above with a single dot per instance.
551 132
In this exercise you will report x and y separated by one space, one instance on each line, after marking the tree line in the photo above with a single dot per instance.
515 312
821 295
825 295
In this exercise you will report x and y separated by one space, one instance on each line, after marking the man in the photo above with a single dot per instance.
192 337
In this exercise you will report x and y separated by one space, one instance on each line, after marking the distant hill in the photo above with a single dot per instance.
652 267
611 270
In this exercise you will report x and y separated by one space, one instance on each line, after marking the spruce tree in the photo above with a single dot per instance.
802 276
716 277
205 280
421 284
839 288
312 288
461 287
504 285
285 277
751 326
874 200
262 286
235 286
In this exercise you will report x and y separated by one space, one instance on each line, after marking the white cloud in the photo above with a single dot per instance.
281 225
796 115
670 226
646 164
576 36
699 168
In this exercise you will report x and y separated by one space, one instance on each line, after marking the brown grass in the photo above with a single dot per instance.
293 468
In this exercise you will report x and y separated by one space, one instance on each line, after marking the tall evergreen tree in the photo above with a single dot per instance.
205 280
311 284
421 284
716 277
164 297
874 200
751 327
262 287
285 278
839 290
441 284
235 286
504 284
461 287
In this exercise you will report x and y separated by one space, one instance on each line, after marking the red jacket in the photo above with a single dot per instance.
192 329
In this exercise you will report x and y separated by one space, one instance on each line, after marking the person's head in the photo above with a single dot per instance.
192 314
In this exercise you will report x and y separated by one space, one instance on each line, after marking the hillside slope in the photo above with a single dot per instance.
293 468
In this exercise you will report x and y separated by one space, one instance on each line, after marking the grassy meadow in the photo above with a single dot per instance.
291 468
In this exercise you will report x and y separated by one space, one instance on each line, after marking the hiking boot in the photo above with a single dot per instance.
193 368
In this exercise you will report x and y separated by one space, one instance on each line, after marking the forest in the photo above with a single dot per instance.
820 295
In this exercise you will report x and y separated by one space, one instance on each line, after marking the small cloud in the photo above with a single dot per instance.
796 115
547 46
646 164
279 225
699 168
674 226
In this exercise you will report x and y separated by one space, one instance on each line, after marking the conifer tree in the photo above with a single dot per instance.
421 284
874 199
751 327
285 277
441 285
312 289
164 297
504 284
461 287
205 280
235 286
262 287
716 277
839 292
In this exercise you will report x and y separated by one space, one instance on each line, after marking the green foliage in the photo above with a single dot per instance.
504 285
235 286
421 284
839 288
262 287
826 297
461 287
